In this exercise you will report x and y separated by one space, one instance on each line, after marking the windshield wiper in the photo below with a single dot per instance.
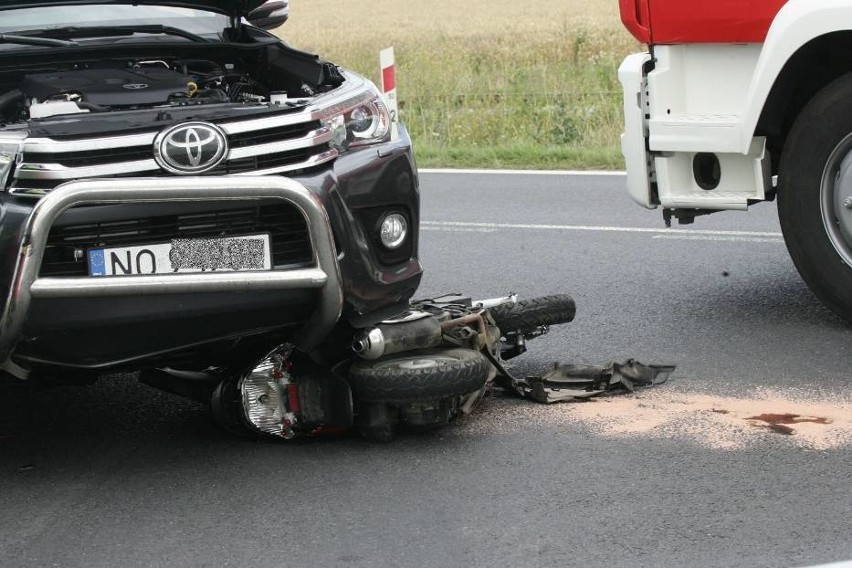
106 31
29 40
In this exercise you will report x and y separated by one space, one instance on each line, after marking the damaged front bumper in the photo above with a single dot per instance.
31 293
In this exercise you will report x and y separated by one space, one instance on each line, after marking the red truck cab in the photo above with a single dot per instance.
699 21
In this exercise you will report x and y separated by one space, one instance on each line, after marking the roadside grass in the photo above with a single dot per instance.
487 83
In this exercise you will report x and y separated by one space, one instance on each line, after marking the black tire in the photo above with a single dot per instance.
419 376
816 227
226 405
527 315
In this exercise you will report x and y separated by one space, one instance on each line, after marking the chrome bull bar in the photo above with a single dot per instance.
26 284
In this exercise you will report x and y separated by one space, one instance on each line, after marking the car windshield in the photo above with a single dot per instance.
28 19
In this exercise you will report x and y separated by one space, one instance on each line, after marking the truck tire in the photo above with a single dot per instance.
419 376
815 195
527 315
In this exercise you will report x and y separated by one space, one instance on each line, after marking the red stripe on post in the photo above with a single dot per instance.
389 78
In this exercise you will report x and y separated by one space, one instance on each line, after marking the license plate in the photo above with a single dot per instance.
250 252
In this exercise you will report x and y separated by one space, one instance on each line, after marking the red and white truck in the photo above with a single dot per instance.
740 101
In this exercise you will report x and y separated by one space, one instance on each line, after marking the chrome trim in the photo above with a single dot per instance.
50 146
326 156
60 172
316 160
311 139
26 284
65 173
42 171
269 122
83 287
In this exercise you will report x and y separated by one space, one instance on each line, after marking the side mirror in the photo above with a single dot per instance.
270 15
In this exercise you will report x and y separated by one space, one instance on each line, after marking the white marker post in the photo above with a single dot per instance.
388 65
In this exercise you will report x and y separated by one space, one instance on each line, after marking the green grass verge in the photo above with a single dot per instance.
541 96
518 157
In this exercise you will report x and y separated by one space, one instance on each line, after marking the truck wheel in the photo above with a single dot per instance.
815 195
419 376
527 315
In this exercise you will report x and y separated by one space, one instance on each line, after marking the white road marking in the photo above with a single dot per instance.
720 238
597 228
457 229
525 172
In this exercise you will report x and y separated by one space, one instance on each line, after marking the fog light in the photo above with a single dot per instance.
393 231
262 392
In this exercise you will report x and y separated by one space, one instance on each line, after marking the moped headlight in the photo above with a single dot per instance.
10 150
262 399
265 396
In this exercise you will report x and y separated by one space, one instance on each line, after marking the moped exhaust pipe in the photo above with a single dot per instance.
417 330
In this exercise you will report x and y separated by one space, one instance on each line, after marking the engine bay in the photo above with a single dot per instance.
138 84
42 91
107 87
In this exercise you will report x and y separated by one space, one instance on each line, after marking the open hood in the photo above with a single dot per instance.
235 8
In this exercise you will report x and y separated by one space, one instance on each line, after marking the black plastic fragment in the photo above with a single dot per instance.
570 381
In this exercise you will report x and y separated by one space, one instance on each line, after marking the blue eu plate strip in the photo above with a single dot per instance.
97 264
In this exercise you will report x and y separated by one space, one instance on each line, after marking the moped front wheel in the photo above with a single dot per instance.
419 376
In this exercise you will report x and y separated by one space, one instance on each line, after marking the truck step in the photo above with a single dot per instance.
724 181
706 200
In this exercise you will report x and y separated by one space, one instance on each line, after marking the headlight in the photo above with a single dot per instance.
263 393
361 120
10 149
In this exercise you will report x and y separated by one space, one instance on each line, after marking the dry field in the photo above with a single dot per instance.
486 82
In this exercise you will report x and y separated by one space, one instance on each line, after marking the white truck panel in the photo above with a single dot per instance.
691 110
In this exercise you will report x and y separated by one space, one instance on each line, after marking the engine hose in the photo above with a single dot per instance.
9 98
92 107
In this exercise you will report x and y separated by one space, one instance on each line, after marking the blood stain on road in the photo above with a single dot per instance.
778 423
723 422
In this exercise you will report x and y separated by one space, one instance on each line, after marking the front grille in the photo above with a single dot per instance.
291 245
88 158
255 163
106 155
285 132
275 144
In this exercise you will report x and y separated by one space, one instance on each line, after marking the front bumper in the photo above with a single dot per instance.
28 287
70 320
634 140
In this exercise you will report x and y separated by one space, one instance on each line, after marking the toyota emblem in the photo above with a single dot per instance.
135 86
190 148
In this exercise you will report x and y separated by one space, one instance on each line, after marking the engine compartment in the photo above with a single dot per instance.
75 86
137 84
107 87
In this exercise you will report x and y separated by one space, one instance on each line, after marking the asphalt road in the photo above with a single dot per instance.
119 475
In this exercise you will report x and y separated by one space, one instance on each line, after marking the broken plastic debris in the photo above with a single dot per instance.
570 381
